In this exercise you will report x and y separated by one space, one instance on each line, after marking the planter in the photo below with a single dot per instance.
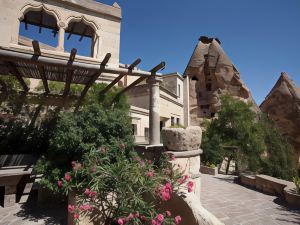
180 139
291 196
209 170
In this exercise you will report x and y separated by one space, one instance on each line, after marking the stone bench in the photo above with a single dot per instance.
13 178
273 186
16 177
209 170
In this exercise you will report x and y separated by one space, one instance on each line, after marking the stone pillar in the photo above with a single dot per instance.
184 144
186 101
61 36
154 117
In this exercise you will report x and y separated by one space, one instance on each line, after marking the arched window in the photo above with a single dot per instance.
38 25
81 36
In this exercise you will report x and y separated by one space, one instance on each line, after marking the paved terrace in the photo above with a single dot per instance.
234 204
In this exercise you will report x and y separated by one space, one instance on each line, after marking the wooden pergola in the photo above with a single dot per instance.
68 70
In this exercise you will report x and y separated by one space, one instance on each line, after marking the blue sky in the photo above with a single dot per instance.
261 37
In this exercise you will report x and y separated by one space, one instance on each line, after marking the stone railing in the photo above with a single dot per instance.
273 186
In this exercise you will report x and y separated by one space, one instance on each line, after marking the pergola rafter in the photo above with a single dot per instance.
37 53
69 70
16 73
130 68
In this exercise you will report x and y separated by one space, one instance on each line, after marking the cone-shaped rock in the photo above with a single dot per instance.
212 74
282 104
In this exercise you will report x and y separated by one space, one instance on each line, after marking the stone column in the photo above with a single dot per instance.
154 117
186 101
61 36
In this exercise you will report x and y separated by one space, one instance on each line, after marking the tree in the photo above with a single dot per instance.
259 147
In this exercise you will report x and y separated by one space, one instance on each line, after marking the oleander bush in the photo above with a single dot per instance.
117 187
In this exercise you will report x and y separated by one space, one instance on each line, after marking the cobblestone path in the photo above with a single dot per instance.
234 204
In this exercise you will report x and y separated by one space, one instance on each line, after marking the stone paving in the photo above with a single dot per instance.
31 214
234 204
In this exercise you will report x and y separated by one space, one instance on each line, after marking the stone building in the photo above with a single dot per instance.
93 29
210 74
282 105
171 105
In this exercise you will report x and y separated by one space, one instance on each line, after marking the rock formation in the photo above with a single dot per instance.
212 74
282 104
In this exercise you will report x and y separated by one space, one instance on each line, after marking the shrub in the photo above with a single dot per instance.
297 183
120 188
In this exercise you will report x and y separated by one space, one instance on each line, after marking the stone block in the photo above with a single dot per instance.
180 139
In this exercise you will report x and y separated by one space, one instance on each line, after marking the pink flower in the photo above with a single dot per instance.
165 195
190 186
168 186
78 166
73 163
177 219
87 191
67 177
92 193
173 157
76 216
166 191
153 222
85 207
71 208
150 161
160 218
137 214
59 183
150 174
122 146
130 217
169 214
143 218
183 179
120 221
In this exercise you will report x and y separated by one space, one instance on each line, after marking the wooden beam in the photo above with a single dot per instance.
82 35
139 80
131 67
8 55
41 22
44 79
36 47
70 73
16 73
93 79
158 67
134 64
71 31
73 54
68 82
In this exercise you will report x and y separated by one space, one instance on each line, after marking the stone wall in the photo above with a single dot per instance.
273 186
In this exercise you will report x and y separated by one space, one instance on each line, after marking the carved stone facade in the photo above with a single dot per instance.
282 104
210 74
